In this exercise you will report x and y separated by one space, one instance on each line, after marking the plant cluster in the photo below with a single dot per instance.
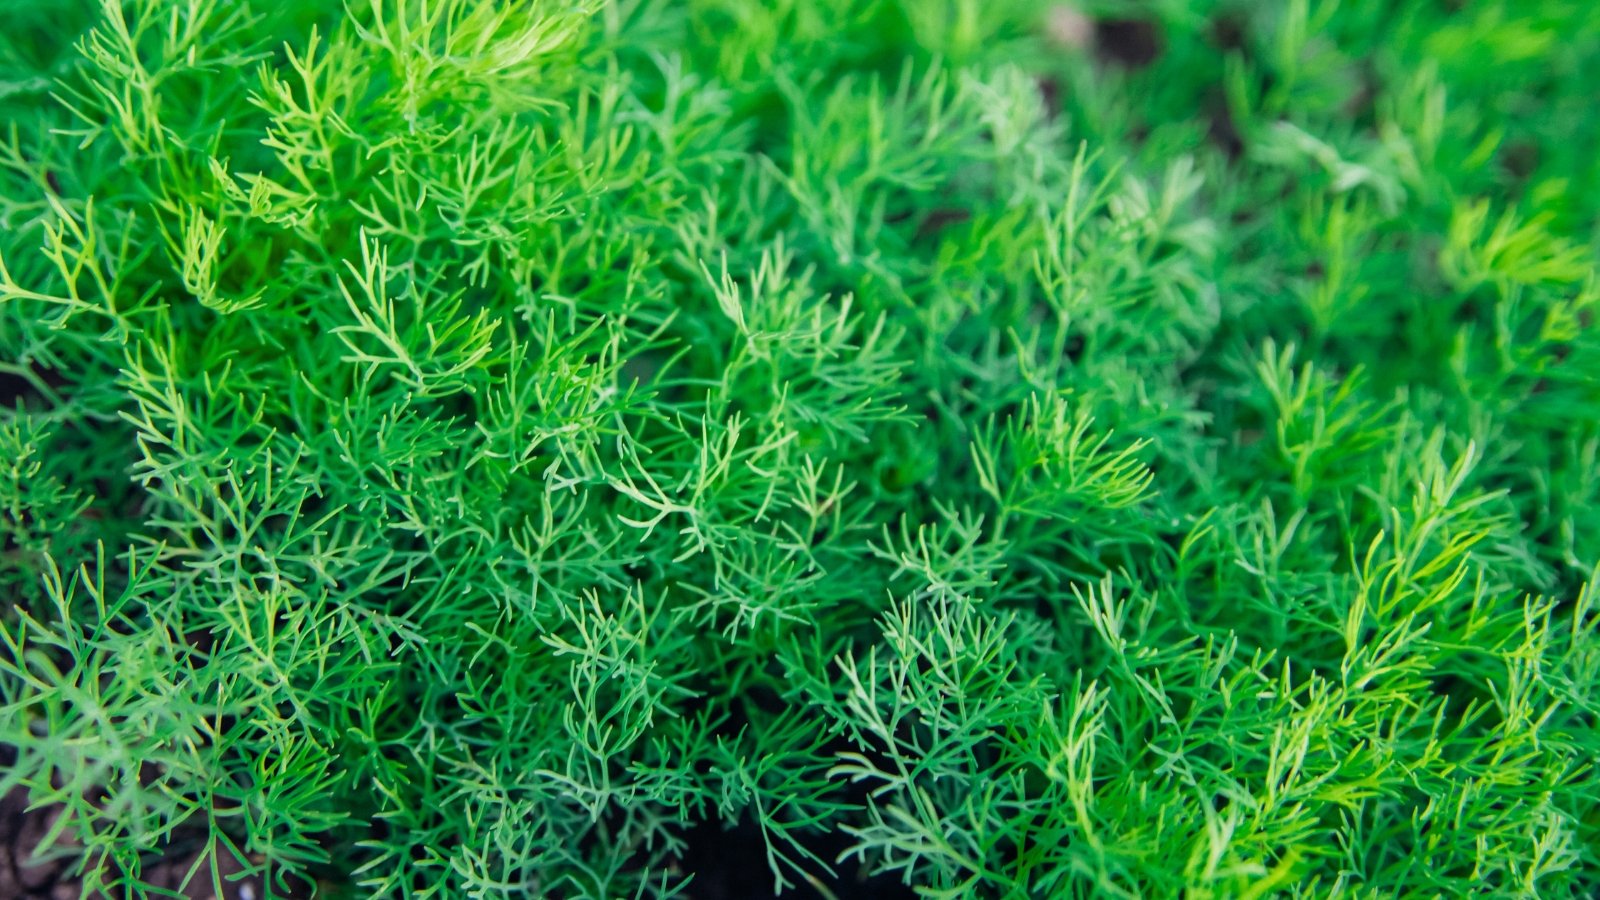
470 448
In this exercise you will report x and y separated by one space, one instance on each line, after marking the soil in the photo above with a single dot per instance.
728 865
731 864
25 877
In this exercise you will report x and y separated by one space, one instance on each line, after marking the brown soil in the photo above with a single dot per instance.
23 876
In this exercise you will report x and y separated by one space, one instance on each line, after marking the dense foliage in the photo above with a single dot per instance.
453 448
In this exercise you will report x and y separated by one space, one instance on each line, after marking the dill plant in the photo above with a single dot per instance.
464 449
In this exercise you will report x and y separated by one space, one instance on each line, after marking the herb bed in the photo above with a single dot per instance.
462 448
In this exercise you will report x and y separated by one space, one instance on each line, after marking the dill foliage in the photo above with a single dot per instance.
459 448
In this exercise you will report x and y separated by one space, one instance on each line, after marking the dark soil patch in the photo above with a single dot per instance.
25 876
1134 43
731 864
